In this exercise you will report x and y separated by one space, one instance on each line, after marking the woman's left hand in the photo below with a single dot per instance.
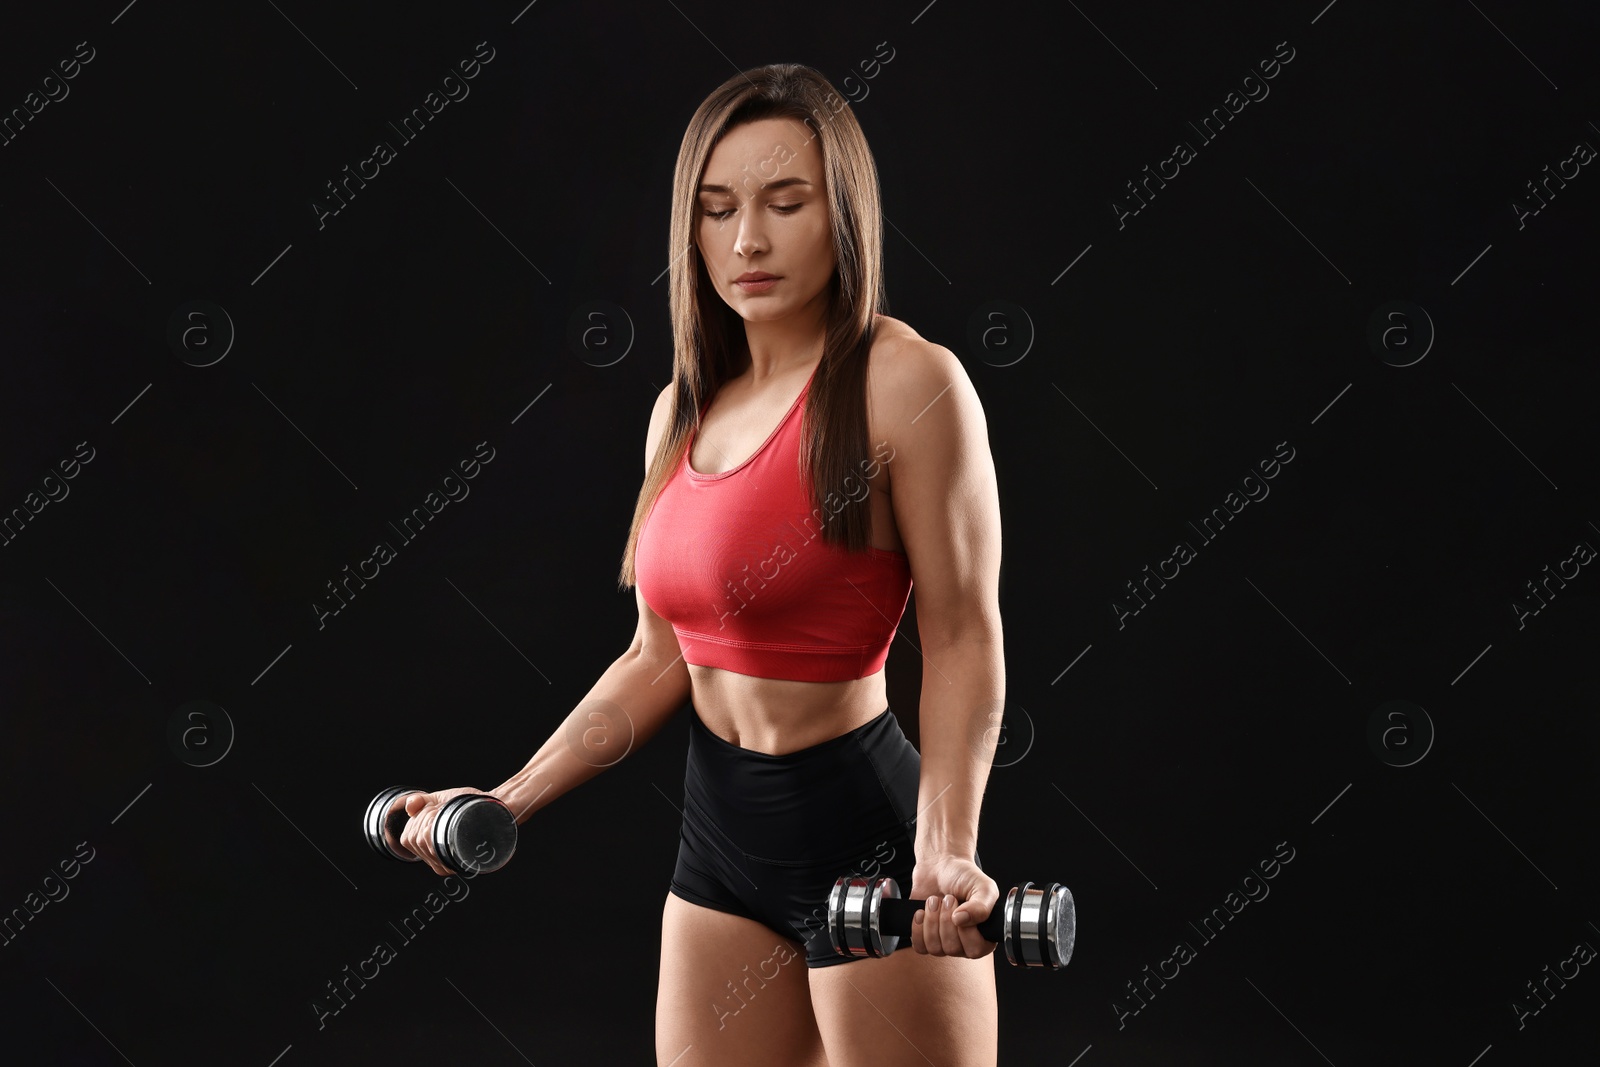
946 927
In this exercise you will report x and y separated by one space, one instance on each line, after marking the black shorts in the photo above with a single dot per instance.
767 836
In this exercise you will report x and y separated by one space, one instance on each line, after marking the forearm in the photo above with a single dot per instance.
963 696
627 706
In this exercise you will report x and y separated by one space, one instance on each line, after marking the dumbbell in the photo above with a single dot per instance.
867 917
473 833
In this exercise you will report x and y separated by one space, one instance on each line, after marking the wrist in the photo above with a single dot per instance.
942 841
519 792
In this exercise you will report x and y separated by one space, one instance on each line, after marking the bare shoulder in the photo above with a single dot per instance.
906 373
890 331
909 377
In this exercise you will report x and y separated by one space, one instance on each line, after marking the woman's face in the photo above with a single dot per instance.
763 208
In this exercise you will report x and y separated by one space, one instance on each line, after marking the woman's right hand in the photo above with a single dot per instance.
417 836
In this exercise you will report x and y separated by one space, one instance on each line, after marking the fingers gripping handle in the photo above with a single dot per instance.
396 823
381 828
472 833
895 913
1037 925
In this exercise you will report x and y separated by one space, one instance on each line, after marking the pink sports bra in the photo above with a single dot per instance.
736 562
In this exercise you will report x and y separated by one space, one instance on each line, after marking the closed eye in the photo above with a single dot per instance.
787 209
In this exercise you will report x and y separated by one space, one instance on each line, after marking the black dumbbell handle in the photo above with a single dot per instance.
894 918
396 822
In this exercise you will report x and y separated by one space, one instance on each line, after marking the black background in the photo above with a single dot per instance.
1231 314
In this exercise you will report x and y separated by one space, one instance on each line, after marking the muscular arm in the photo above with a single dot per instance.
946 507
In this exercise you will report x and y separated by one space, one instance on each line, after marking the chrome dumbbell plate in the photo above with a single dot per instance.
1036 925
472 834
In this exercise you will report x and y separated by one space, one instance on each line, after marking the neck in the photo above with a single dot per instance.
774 347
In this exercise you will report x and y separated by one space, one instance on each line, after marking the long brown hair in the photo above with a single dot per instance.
708 335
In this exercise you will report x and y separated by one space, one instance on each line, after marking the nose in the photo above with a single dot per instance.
748 239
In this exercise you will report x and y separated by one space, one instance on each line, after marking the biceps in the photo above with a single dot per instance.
956 572
654 634
946 500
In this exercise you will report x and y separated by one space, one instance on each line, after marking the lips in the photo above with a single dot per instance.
754 276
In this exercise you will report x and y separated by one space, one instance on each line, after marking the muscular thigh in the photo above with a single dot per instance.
732 992
907 1009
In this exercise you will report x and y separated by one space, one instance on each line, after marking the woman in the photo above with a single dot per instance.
772 557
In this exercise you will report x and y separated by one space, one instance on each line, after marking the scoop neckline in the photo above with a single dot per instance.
688 450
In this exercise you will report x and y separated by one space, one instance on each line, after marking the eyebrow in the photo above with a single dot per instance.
779 184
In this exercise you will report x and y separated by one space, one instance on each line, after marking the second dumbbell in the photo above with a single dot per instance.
1037 925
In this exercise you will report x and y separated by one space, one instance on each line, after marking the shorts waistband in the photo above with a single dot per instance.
804 802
